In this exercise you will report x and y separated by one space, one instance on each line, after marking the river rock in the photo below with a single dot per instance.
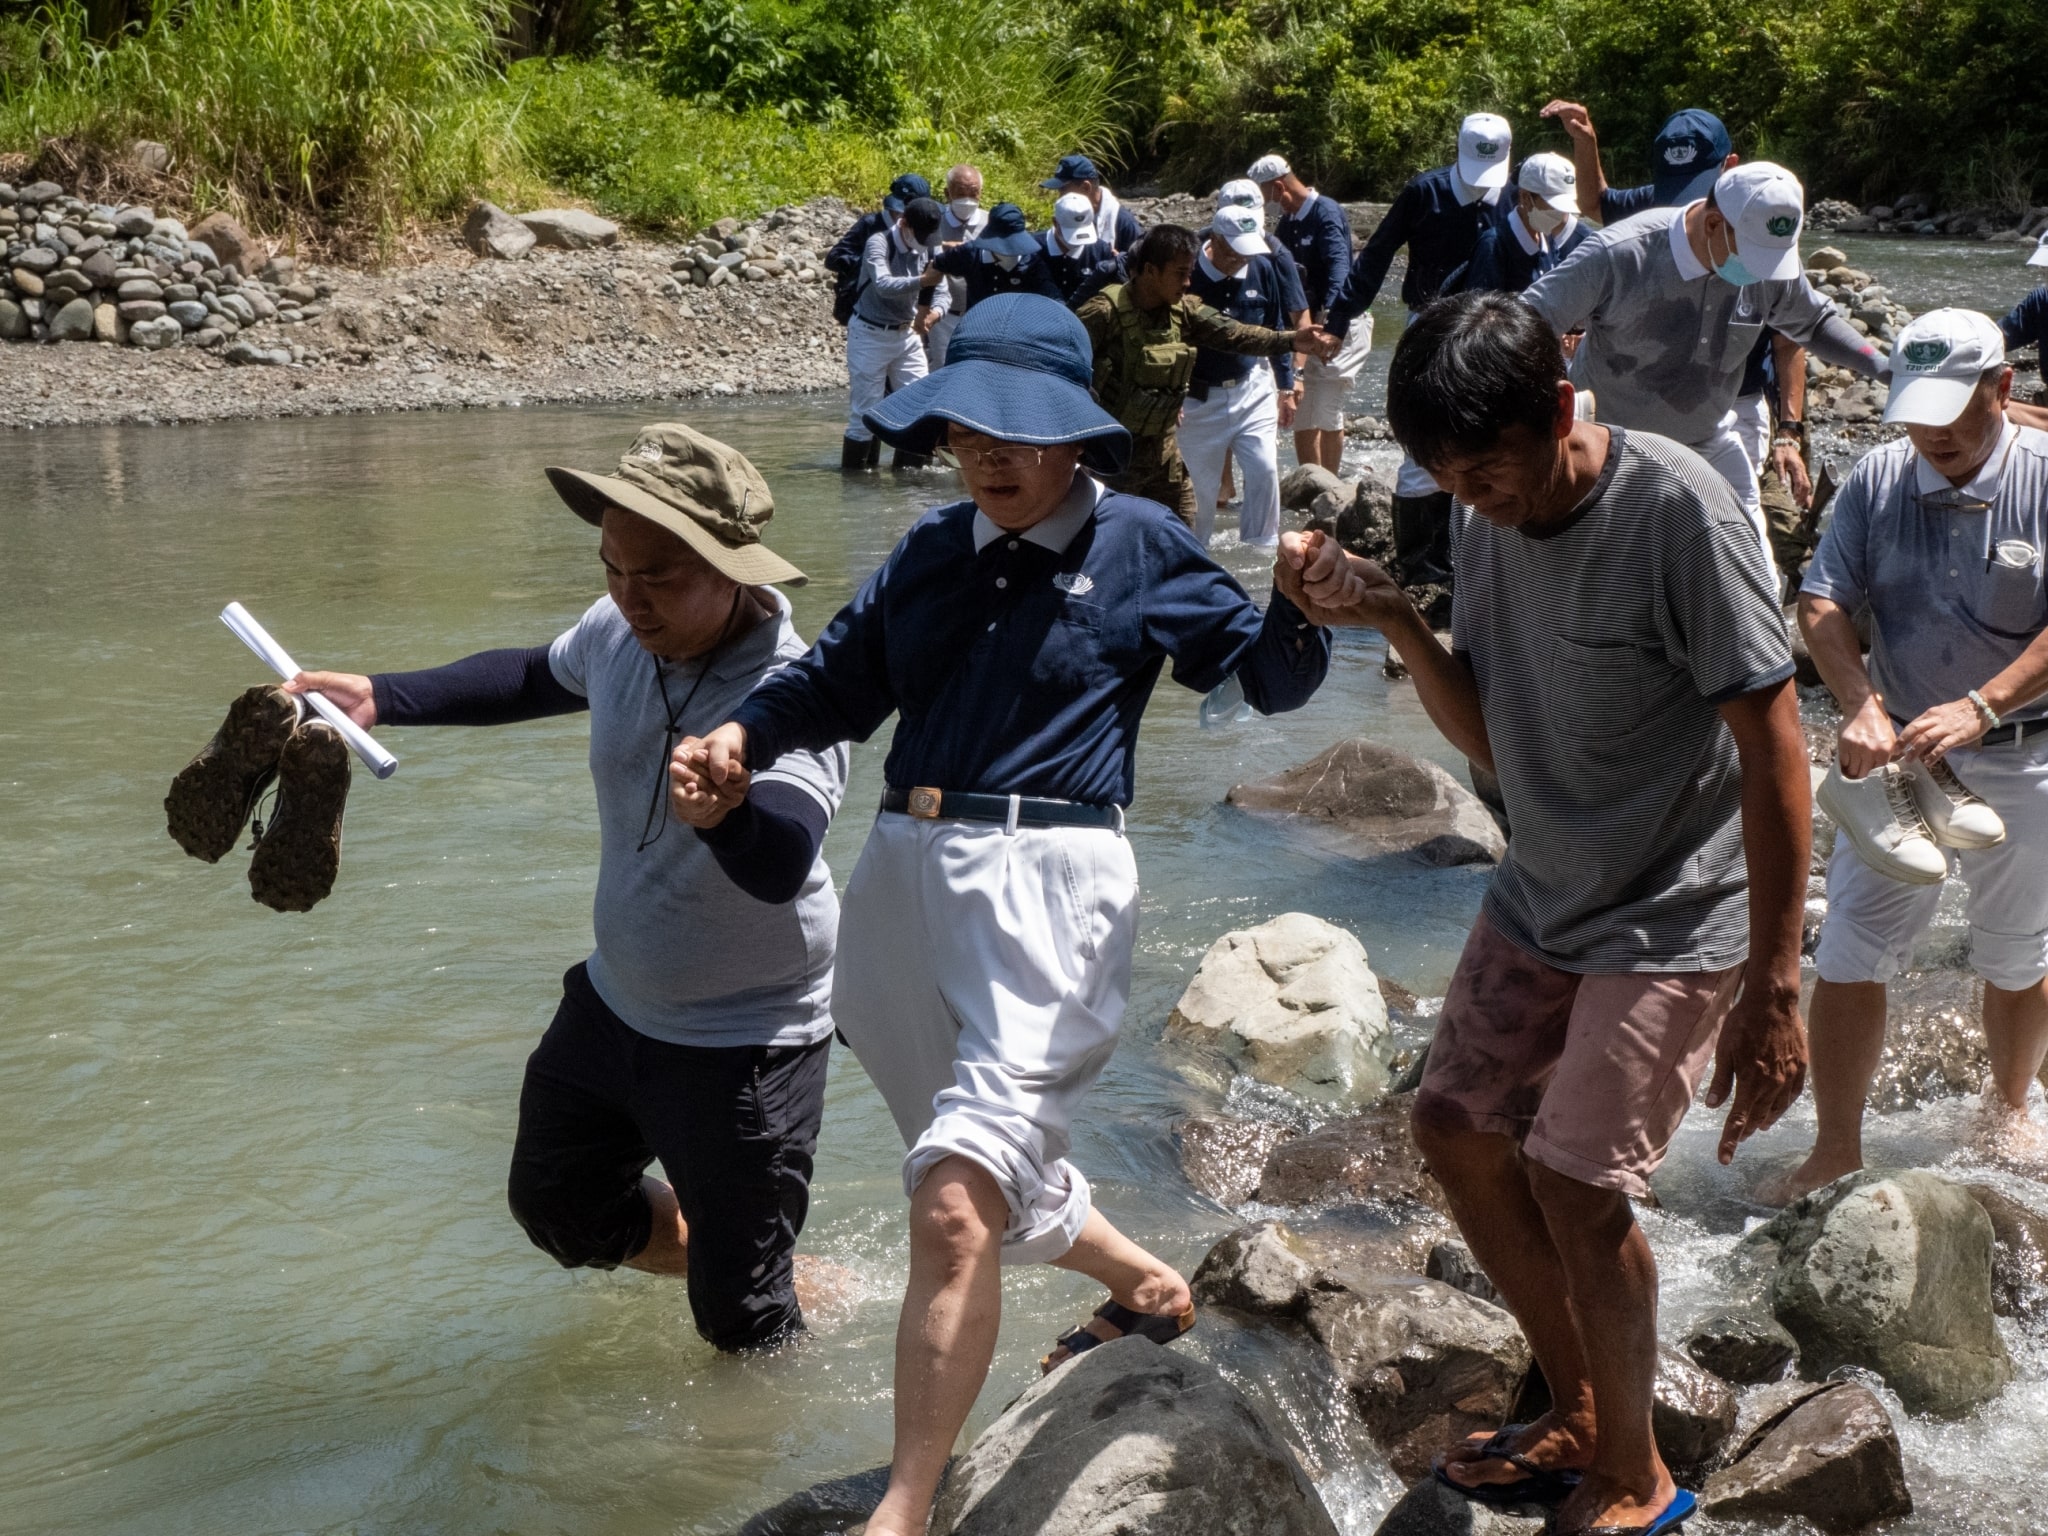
13 322
229 242
1692 1417
1451 1262
39 259
247 354
1934 1040
823 1509
1832 1456
140 288
1295 1003
2019 1253
134 310
73 322
1742 1347
1431 1509
106 323
40 192
1263 1269
491 231
154 335
1223 1156
1426 1365
1383 801
1301 485
188 312
1130 1440
100 267
1370 1156
28 284
1892 1271
134 223
570 229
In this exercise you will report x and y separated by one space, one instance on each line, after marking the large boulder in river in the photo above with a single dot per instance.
1223 1156
1379 800
1369 1157
1272 1268
1828 1453
1130 1440
2019 1253
823 1509
1431 1509
1293 1002
1302 484
570 229
1892 1271
1692 1416
1742 1346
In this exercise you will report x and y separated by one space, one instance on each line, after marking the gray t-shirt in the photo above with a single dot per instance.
1666 340
1953 575
683 954
1601 651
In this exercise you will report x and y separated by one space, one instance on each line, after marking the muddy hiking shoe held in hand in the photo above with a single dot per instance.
212 796
298 852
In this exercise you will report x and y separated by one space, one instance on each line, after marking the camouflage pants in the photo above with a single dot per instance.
1792 534
1157 473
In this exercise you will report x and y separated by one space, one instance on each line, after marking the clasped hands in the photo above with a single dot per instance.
1333 587
1317 342
708 777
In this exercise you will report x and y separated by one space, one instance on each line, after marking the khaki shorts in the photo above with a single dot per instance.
1591 1074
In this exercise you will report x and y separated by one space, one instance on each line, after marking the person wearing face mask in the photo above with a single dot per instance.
899 298
1080 262
1541 230
1943 758
1313 230
1245 193
1077 176
961 219
1005 258
1672 302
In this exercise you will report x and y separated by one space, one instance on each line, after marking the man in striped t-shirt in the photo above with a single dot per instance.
1619 661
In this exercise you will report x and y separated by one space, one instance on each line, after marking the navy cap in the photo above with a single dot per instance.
1072 168
1018 369
1686 156
1005 233
905 189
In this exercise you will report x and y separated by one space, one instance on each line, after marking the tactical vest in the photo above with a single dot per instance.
1144 367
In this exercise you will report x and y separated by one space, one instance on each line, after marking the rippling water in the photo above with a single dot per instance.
259 1272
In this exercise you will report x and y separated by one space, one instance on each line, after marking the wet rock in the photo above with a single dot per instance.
1302 484
1295 1003
1369 1157
1742 1347
491 231
824 1509
73 322
1452 1262
1934 1040
1692 1417
1130 1440
1431 1509
1380 800
231 244
1831 1456
2019 1253
1263 1269
1891 1271
1222 1156
570 229
1426 1365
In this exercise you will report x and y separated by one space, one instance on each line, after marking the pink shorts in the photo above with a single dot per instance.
1591 1074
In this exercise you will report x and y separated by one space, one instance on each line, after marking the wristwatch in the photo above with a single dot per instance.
1793 432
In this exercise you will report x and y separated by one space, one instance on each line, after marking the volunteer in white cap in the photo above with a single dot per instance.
1316 234
2027 326
1232 408
1082 262
1943 758
1439 217
1541 230
1672 302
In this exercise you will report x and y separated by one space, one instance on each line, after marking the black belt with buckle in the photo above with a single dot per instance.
2013 733
877 325
929 804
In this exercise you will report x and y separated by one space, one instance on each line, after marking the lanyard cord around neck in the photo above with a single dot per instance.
658 805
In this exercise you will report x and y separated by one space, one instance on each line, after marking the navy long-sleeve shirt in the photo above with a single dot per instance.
1318 237
1502 264
851 248
765 845
1255 294
2028 324
1292 294
987 277
1021 663
1083 273
1440 233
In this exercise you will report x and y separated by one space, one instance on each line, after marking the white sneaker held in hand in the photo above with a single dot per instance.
1954 815
1882 818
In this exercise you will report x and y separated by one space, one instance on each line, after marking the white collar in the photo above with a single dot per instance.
1055 532
896 238
1982 486
1564 232
1215 273
1053 246
1105 212
1690 268
1468 195
1530 241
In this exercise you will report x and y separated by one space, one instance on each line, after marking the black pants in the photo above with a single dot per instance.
734 1127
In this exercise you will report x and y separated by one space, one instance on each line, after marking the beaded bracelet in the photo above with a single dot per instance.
1990 715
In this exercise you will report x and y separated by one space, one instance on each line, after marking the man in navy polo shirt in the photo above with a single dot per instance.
1080 262
985 948
1077 174
1004 258
1439 217
2027 325
1313 229
1541 230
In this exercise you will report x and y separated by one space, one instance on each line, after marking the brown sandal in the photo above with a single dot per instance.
1159 1327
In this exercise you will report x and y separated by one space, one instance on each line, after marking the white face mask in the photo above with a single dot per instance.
1275 212
1545 221
964 208
1006 261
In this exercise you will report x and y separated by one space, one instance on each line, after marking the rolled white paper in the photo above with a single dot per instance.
274 656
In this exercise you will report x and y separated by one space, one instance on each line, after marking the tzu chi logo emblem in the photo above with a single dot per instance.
1074 583
1782 225
1681 154
1485 149
1923 355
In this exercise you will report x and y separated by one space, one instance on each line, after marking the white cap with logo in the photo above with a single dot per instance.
1936 363
1242 193
1240 229
1552 179
1766 207
2039 256
1484 141
1268 168
1074 216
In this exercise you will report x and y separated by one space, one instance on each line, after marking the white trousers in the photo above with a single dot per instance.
941 336
1753 426
1728 455
877 361
1325 387
1244 419
1874 921
981 980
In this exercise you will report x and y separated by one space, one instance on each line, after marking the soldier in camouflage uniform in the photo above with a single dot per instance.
1145 333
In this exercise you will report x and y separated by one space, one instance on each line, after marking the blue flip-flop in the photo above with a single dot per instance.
1537 1485
1683 1507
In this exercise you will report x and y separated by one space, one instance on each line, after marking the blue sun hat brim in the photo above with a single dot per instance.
1006 245
1019 369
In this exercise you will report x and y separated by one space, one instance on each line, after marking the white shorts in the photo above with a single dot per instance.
1327 386
1244 419
1874 921
981 980
877 361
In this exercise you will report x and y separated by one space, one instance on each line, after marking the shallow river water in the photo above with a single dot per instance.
259 1273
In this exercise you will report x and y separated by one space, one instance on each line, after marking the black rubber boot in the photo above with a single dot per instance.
874 458
853 454
1422 540
904 459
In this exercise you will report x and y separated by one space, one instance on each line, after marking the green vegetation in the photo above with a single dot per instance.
367 115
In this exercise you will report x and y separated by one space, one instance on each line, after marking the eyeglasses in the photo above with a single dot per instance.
990 458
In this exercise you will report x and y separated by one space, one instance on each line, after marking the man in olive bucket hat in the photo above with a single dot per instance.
697 1030
986 954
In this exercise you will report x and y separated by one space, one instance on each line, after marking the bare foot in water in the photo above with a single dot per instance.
1822 1166
826 1291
